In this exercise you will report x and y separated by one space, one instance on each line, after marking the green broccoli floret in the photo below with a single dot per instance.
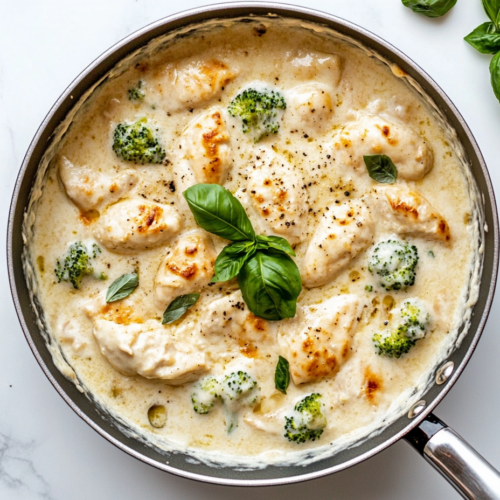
76 264
307 422
394 261
413 322
205 394
137 144
136 93
258 111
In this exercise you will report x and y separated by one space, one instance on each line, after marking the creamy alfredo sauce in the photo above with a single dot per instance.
341 103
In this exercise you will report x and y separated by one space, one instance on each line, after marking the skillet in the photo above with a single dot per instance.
469 473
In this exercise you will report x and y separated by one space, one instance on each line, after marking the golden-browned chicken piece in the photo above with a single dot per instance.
406 212
187 267
89 189
205 144
275 188
344 231
374 135
317 342
192 84
136 224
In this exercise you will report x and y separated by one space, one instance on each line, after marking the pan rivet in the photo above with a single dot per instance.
417 408
444 373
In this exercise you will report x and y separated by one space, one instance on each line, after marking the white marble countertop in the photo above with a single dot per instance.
46 451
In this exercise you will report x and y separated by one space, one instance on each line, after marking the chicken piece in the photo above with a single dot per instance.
344 231
150 350
89 189
187 267
310 107
206 146
136 224
407 212
317 342
135 346
192 84
320 67
275 188
228 328
374 135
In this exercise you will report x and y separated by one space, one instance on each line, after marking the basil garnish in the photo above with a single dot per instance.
381 169
492 9
282 375
217 211
122 287
270 284
485 38
430 8
230 261
275 242
268 278
495 74
178 307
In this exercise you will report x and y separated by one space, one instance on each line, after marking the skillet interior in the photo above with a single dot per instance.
177 463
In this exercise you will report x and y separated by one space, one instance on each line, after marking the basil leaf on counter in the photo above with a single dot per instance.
430 8
230 261
178 307
485 38
275 242
122 287
217 211
495 74
282 375
270 285
492 9
381 169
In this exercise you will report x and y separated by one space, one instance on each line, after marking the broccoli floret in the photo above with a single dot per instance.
307 422
238 385
413 322
394 261
137 144
205 394
136 93
258 111
76 264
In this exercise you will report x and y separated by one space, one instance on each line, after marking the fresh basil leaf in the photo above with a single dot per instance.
178 307
270 285
430 8
122 287
282 375
485 38
495 74
231 259
275 242
217 211
381 169
492 9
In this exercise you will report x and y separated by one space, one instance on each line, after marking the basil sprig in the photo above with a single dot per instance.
282 375
122 287
492 9
485 38
178 307
216 210
381 169
268 278
430 8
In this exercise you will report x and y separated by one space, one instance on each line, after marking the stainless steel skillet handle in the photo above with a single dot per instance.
467 471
